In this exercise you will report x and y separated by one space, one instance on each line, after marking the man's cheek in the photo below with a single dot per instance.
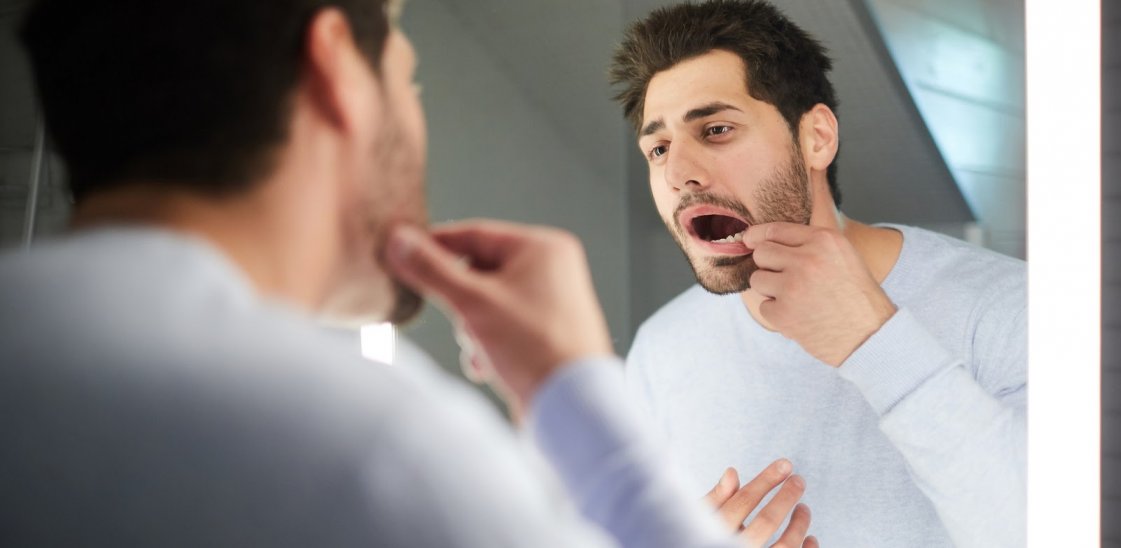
665 208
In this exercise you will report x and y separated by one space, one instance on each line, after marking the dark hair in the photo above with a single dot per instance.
194 93
785 66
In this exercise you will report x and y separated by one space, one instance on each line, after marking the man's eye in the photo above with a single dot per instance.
657 151
718 130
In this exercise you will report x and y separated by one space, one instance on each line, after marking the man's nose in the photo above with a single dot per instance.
684 168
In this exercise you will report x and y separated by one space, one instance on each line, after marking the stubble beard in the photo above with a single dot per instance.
409 170
369 292
783 197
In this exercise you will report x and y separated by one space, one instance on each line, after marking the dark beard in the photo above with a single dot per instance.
784 196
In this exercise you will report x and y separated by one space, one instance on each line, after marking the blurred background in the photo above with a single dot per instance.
522 127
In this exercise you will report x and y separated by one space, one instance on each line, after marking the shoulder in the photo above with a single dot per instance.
947 250
938 265
972 299
121 321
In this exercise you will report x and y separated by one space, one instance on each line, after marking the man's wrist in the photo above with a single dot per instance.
532 383
879 316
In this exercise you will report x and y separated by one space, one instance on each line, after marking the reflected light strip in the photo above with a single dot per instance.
1063 52
379 342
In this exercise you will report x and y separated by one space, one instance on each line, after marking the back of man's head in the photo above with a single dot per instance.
190 94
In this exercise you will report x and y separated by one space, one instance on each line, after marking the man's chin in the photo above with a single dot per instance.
722 287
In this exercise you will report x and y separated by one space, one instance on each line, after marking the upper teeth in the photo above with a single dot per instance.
737 237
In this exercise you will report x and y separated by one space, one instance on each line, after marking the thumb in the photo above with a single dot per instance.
724 489
428 267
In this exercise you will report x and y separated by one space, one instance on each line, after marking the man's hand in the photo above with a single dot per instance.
521 294
735 503
818 291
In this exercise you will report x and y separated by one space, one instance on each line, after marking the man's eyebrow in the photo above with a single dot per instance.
694 114
708 110
653 127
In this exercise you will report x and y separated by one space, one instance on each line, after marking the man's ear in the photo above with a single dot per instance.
336 75
819 136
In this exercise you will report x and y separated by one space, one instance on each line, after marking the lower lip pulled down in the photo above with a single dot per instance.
722 248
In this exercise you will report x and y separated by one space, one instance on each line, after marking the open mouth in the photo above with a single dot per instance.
711 223
720 229
716 229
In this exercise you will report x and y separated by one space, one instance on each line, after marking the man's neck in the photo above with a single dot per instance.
250 230
878 247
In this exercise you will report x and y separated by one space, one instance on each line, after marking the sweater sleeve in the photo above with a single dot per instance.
965 448
610 465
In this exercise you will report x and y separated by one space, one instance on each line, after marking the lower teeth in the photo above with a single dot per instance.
728 240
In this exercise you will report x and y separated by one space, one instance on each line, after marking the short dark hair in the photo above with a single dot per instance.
785 66
194 94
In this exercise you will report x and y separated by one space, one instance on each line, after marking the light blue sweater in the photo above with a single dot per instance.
151 397
918 439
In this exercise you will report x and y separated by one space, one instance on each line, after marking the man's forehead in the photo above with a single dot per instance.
714 76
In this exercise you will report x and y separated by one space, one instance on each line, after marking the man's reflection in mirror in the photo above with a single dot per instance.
887 362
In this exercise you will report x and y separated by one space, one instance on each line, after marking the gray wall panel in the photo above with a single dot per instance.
1111 527
1111 274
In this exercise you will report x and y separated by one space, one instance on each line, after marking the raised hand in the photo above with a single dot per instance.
818 291
521 295
735 503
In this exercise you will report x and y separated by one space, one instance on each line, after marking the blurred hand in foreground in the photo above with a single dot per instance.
521 296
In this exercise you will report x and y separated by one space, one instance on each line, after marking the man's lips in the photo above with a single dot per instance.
719 220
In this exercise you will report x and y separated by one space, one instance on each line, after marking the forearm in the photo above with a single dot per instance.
965 448
610 465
